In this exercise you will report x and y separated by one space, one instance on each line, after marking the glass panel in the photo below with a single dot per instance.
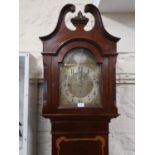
80 80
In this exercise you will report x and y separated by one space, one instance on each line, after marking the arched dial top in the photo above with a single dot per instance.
80 80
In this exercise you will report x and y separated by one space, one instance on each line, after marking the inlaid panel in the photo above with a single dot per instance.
80 146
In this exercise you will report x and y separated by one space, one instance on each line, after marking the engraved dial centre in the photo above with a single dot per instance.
80 84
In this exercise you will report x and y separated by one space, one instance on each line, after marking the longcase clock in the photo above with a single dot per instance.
79 84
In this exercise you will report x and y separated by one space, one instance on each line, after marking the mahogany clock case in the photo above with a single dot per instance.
79 130
57 44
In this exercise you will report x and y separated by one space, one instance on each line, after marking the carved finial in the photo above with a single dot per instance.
79 19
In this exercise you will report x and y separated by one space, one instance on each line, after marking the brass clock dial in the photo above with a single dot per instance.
80 80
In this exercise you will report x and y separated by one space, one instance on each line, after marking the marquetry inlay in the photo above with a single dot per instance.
64 139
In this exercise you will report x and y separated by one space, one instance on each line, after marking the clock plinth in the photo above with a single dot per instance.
79 84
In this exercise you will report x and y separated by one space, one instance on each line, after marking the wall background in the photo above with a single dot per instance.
39 18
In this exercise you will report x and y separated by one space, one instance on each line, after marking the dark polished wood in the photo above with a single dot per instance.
79 131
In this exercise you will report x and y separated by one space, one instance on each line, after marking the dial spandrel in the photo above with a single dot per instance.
79 80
